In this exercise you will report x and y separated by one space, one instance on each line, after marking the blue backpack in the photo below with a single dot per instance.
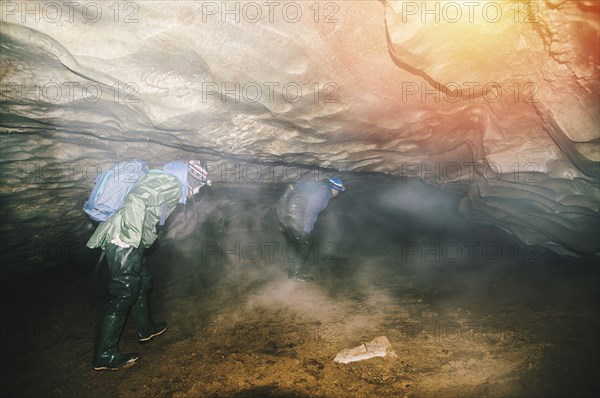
111 188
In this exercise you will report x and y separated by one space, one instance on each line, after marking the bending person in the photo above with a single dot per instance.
298 210
125 236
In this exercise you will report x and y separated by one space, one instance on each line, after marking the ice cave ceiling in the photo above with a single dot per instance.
495 100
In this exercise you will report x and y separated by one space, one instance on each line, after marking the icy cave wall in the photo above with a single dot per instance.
497 100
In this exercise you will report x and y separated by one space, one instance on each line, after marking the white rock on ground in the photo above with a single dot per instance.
378 347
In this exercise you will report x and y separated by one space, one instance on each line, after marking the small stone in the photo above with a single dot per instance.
378 347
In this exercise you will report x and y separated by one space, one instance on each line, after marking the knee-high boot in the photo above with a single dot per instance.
143 318
106 345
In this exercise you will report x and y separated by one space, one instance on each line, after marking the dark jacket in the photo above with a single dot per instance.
300 205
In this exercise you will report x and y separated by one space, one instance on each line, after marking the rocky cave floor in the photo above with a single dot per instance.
525 324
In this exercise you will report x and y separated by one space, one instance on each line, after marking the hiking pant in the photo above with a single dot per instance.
130 278
297 254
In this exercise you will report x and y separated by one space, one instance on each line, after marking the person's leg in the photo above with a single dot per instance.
123 289
141 309
293 257
304 252
297 256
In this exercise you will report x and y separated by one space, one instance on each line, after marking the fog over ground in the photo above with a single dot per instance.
467 135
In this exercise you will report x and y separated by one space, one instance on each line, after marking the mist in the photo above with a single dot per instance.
391 256
468 235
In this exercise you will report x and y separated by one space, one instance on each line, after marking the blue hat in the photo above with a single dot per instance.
336 184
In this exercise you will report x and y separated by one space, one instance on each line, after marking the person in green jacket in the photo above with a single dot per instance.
124 237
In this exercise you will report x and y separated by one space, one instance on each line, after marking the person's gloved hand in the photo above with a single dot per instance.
304 238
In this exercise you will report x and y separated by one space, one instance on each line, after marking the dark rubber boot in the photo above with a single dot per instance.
296 272
148 329
106 346
297 266
302 278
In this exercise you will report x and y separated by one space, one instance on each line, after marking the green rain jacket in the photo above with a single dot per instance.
136 221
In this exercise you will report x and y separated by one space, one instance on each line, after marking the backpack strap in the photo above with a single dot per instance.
99 263
195 211
163 215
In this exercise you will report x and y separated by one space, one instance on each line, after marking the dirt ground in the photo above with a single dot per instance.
241 329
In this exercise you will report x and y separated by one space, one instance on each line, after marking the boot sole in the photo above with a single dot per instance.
144 339
302 279
127 365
